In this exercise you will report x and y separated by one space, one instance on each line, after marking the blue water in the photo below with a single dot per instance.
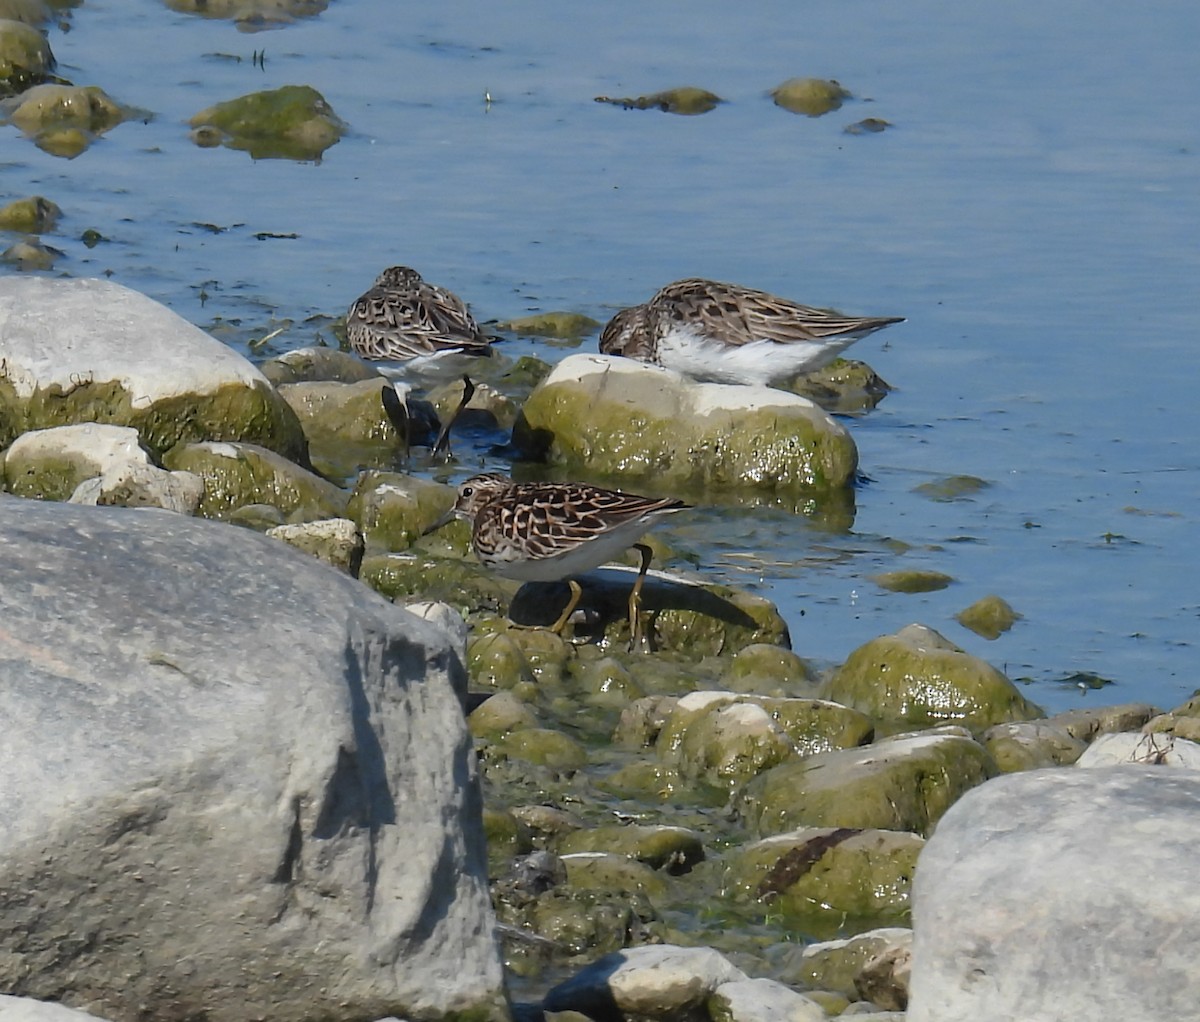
1033 213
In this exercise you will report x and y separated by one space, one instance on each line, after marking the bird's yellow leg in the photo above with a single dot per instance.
572 603
635 597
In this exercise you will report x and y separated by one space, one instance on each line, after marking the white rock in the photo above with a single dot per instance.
763 1000
657 980
26 1009
1137 749
1061 894
100 446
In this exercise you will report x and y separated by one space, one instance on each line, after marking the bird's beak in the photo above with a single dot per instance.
446 519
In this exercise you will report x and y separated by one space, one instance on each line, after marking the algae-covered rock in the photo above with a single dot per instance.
64 120
235 474
487 408
834 964
351 412
542 746
989 617
500 714
674 849
626 420
726 739
30 255
393 509
810 96
845 386
606 682
768 670
336 541
1091 722
918 677
290 123
50 463
94 351
34 215
570 326
252 15
912 581
895 784
1027 745
136 484
31 12
867 126
687 99
318 364
951 488
495 660
25 57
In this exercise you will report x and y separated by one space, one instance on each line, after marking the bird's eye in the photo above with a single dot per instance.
468 490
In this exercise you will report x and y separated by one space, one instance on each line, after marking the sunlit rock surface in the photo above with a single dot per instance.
243 769
1058 895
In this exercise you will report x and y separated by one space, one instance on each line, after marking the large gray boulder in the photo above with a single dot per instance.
1058 895
237 784
94 351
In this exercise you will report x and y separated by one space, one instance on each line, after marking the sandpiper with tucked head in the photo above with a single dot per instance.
726 333
404 317
545 532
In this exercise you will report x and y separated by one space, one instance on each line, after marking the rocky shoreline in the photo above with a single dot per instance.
242 784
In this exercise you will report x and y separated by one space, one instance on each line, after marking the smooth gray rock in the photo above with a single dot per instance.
761 1000
1058 895
237 784
1133 748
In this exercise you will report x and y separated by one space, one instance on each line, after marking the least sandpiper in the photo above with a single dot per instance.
725 333
545 532
403 317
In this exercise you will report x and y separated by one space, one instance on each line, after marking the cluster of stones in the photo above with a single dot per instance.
277 758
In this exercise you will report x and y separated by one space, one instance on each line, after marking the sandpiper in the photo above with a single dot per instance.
545 532
726 333
403 317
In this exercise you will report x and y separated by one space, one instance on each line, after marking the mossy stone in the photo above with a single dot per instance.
912 581
500 714
606 682
293 122
674 849
686 99
834 964
235 474
918 677
608 871
621 419
1028 745
393 509
563 325
543 746
34 215
25 57
316 365
989 617
495 660
809 96
506 837
896 784
60 107
764 668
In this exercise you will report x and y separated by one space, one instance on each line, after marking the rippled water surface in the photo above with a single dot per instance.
1033 212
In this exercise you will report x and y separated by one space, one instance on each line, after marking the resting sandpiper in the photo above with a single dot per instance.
725 333
403 317
545 532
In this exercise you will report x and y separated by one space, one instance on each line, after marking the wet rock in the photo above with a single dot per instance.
94 351
335 541
1102 720
1034 899
827 875
546 823
809 96
726 739
252 15
610 871
502 713
487 409
761 1000
50 463
769 670
885 979
25 57
686 99
674 849
30 255
657 981
918 677
317 365
217 735
31 12
290 123
393 509
626 420
835 964
235 474
989 617
35 215
903 783
1137 749
642 721
951 488
912 581
543 747
845 387
867 126
333 414
563 325
63 120
1027 745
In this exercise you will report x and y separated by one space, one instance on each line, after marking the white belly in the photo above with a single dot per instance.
759 362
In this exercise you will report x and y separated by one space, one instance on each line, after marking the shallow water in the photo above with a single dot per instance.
1032 213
